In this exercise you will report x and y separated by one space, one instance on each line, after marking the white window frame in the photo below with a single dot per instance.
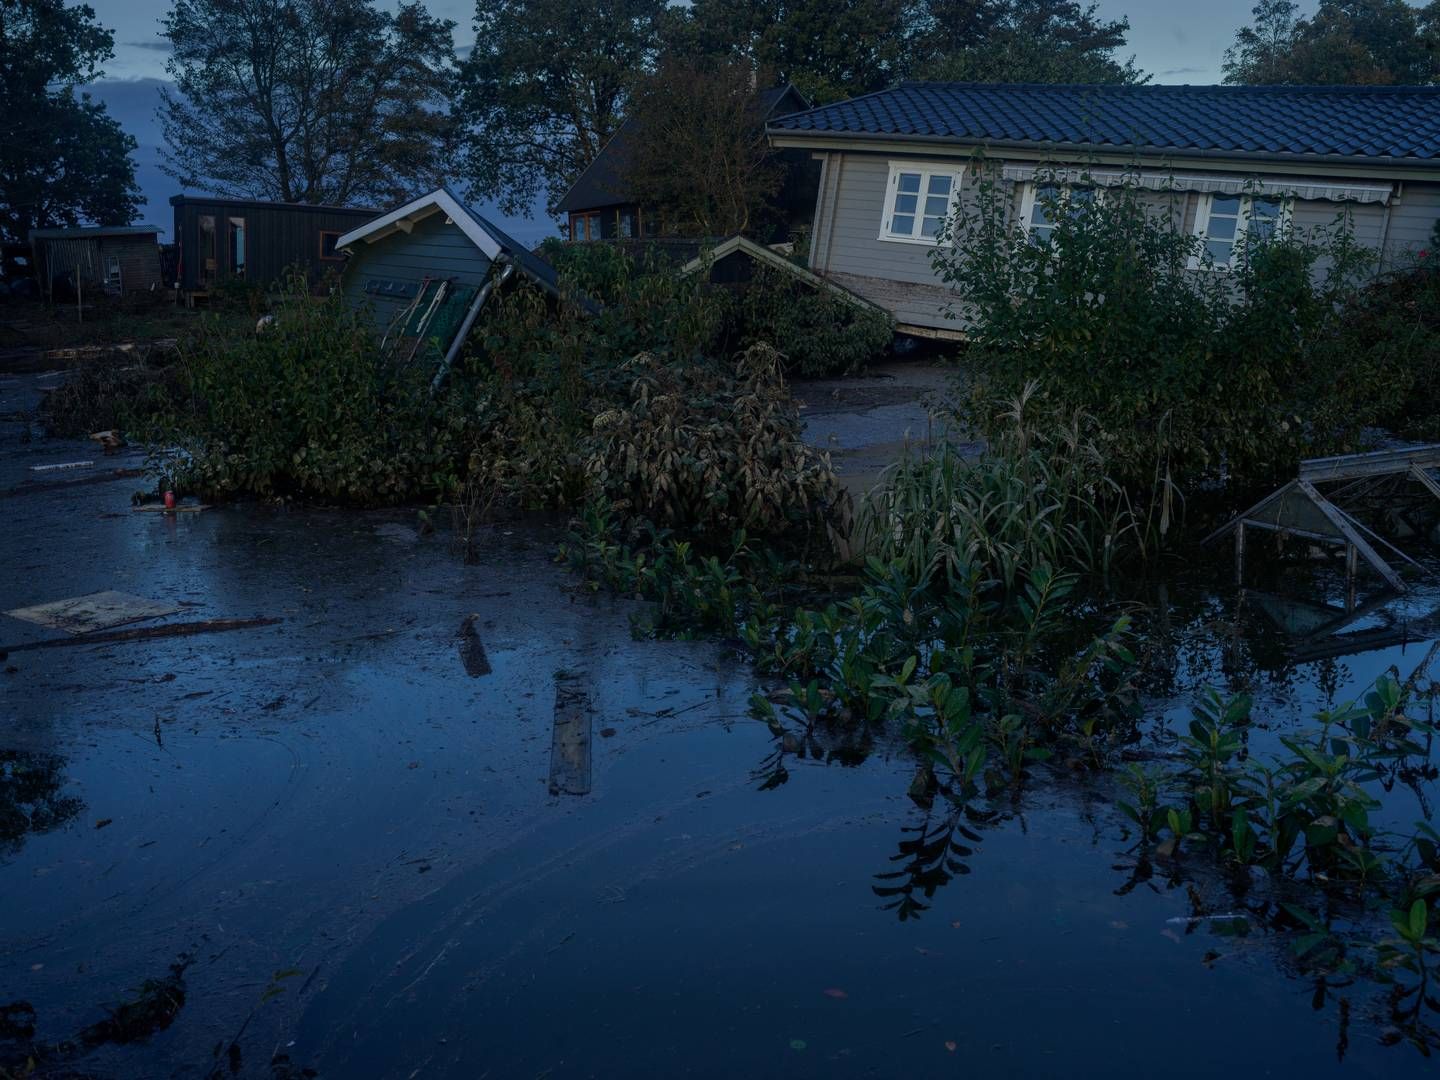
926 169
1242 223
1030 192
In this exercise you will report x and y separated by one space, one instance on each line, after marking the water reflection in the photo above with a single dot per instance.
31 797
933 852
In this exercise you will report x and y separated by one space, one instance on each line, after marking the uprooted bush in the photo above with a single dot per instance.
711 449
309 408
1189 370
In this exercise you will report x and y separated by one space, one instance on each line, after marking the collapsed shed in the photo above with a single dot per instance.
426 269
114 259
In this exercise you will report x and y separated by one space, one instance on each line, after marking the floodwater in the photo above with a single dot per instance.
328 846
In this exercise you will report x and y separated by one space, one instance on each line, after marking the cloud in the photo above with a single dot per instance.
1182 71
463 52
158 45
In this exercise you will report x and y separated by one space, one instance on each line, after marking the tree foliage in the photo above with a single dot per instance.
1188 369
546 87
1346 42
313 101
828 50
1015 41
63 159
704 114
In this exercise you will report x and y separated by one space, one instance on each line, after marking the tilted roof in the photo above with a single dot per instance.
482 232
603 182
1373 123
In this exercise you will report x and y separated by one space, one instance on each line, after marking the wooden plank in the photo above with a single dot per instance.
570 741
1342 522
94 611
144 633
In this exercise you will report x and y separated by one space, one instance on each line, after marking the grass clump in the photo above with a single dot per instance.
1035 496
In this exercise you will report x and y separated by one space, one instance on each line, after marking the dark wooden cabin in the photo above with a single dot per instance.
258 242
600 205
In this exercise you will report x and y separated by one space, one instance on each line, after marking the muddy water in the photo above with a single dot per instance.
349 845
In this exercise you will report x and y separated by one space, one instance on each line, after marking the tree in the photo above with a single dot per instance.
1346 42
63 158
546 87
702 160
312 101
829 50
1014 41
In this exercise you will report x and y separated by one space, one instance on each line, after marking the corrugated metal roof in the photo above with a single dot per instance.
1362 122
91 232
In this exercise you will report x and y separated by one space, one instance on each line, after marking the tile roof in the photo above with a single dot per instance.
1367 122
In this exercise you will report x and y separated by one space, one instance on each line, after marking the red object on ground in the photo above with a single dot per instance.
169 500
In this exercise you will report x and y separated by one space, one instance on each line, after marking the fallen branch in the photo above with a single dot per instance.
143 633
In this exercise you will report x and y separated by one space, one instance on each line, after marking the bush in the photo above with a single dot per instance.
711 450
128 394
819 332
1188 373
307 408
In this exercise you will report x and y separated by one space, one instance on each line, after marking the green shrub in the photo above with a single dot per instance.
711 449
118 392
307 408
1189 372
818 331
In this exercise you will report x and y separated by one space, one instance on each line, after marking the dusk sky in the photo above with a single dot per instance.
1174 40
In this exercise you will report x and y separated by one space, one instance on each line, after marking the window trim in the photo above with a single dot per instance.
926 169
1242 223
339 255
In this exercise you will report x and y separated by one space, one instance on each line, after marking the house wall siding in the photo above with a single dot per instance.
432 250
851 204
278 238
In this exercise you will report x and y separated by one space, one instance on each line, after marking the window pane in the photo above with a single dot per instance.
1042 233
1225 204
936 204
1265 208
905 204
1220 228
910 181
930 227
903 224
1039 214
939 185
1262 228
1220 251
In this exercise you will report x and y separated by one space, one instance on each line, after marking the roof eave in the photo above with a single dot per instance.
784 138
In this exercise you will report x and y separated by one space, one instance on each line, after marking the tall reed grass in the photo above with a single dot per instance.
1032 498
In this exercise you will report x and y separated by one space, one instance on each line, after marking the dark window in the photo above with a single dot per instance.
328 251
584 226
207 249
235 245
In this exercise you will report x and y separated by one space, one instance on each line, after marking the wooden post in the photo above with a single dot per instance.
1240 553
